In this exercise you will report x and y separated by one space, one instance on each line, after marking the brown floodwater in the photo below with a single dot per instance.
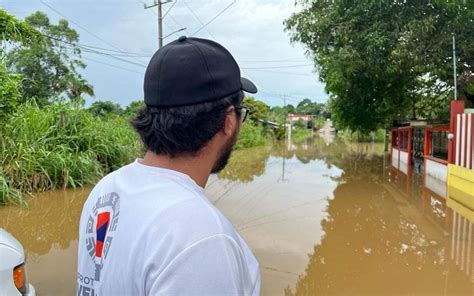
323 217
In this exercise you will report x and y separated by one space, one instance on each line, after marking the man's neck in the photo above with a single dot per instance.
197 168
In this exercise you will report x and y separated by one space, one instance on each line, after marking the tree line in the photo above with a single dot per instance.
387 60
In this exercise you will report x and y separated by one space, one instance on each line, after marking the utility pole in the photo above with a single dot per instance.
159 4
284 107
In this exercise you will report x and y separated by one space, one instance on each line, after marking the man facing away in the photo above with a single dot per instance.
148 228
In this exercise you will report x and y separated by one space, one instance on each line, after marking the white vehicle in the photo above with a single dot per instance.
12 267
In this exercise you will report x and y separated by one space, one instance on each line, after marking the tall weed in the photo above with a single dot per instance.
60 146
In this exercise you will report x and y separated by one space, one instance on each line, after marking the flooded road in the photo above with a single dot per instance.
322 219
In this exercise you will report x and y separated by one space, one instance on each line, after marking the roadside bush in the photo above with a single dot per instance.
59 146
251 136
300 134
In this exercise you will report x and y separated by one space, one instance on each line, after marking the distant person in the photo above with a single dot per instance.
148 228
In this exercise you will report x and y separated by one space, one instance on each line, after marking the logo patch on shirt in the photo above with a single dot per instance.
101 225
103 220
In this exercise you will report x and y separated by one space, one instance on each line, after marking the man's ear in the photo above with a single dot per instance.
230 121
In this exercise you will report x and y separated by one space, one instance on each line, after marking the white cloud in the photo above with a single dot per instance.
252 30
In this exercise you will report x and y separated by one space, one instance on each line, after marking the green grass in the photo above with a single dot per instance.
251 136
58 147
364 138
300 134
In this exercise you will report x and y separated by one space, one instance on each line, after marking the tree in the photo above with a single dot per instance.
12 30
9 91
105 109
279 113
379 59
132 109
50 68
258 109
306 106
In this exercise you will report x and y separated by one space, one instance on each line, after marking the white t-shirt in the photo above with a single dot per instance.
151 231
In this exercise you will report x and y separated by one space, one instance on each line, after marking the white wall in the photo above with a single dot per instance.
395 157
404 159
437 170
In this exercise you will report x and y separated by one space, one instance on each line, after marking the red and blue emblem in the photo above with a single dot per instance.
103 221
101 226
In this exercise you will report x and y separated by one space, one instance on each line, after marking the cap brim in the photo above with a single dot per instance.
248 86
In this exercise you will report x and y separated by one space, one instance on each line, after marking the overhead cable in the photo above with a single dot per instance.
199 20
214 18
81 27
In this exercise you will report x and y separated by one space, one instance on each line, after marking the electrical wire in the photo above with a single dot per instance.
198 19
277 67
273 61
168 11
111 65
96 52
214 18
81 27
283 73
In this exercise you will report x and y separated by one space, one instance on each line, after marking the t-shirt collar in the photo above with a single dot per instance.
186 178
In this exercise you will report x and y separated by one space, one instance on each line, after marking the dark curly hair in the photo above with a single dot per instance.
183 130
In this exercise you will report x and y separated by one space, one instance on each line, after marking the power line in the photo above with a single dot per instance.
273 61
79 26
113 66
214 18
168 11
95 51
116 58
288 97
278 67
282 72
115 52
198 19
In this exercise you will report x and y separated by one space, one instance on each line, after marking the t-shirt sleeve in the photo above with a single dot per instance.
212 266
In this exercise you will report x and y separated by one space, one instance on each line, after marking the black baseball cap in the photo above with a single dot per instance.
191 71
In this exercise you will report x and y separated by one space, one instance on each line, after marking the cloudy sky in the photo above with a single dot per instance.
252 30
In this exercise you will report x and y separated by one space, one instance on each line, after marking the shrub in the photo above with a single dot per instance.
59 146
251 136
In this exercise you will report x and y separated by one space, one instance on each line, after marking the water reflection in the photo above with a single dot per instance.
48 231
391 236
322 218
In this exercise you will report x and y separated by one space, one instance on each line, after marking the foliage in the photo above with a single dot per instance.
380 59
251 136
132 109
105 109
245 165
258 109
60 146
9 92
279 132
306 106
377 136
299 134
319 122
14 30
300 123
279 113
7 193
50 68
